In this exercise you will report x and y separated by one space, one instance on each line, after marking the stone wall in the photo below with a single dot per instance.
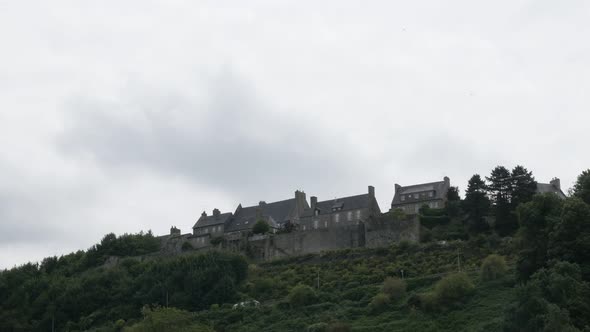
380 232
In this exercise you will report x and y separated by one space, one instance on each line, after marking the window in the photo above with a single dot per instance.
416 208
349 216
430 194
403 197
304 227
436 204
315 224
337 217
325 224
416 196
358 214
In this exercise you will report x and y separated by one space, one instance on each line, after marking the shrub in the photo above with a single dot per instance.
186 246
453 288
301 295
395 288
379 302
493 267
261 227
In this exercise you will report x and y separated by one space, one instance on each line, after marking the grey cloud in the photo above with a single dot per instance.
229 140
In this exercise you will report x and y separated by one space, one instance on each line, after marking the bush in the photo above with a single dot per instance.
493 267
301 295
379 302
395 288
453 288
261 227
187 246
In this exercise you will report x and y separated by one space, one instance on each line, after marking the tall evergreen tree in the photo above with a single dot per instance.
524 186
500 190
476 204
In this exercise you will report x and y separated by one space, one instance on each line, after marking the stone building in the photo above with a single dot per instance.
344 211
208 227
276 214
411 198
554 186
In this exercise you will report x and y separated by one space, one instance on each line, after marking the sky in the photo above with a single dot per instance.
122 116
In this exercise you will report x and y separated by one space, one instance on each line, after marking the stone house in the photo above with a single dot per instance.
276 214
554 186
208 227
411 198
344 211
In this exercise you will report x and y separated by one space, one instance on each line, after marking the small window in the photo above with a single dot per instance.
349 216
304 227
315 224
358 214
325 224
416 196
403 197
337 217
430 194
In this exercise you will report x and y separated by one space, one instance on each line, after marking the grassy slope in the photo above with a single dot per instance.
350 278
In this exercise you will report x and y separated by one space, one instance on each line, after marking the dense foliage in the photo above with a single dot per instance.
502 248
60 292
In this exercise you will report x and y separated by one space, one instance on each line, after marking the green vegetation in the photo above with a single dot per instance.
463 277
493 267
261 227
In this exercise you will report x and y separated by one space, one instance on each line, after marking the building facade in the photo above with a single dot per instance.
411 198
344 211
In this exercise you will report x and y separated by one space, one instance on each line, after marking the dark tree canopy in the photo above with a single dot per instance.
581 188
476 204
524 186
261 227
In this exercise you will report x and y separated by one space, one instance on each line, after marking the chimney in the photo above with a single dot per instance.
556 183
371 192
447 181
314 202
204 214
216 213
261 203
174 231
397 187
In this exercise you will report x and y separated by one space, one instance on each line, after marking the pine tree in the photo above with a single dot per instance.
476 204
524 186
581 188
500 190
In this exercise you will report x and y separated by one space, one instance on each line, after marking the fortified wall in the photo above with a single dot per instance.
376 233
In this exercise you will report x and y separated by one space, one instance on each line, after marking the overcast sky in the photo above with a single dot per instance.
121 116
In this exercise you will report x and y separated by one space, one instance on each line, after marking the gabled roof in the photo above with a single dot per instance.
439 188
205 220
273 213
549 188
343 204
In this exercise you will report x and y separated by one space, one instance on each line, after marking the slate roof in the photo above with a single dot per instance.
440 191
344 204
549 188
205 221
273 213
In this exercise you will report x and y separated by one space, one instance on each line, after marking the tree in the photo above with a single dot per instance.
536 218
261 227
476 204
569 236
554 299
493 267
524 186
500 190
301 295
581 188
453 204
